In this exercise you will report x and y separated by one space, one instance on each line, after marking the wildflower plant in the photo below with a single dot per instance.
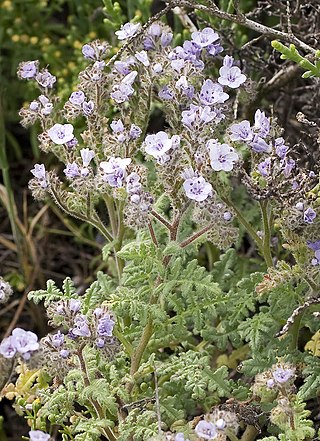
158 343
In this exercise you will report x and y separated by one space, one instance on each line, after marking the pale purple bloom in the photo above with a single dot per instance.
142 56
241 131
178 64
315 246
24 342
28 69
220 424
157 68
198 114
81 327
77 98
72 143
115 170
205 37
88 107
7 347
281 148
270 383
39 172
57 339
72 170
64 353
261 123
47 109
180 437
309 215
87 155
212 93
99 65
155 30
214 49
34 106
132 183
166 38
231 76
123 66
282 375
166 94
288 165
227 216
259 145
127 30
38 435
74 305
299 206
264 167
43 100
135 131
197 188
158 144
61 133
206 430
121 92
222 156
117 126
228 61
45 79
105 326
100 343
88 52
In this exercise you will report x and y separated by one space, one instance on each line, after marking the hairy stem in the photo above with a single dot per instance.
161 219
106 431
195 236
266 249
249 434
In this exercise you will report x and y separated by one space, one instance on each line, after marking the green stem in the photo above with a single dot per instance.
250 230
249 434
115 232
294 332
106 431
138 353
266 249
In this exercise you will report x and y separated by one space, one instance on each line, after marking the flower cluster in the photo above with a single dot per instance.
19 342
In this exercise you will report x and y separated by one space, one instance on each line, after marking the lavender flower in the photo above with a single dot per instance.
214 49
88 52
281 375
231 76
197 188
264 167
180 437
241 131
105 326
123 67
38 435
142 56
87 155
115 170
117 126
212 93
261 123
158 144
315 246
166 38
288 164
281 148
88 107
227 216
25 341
74 305
77 98
127 30
135 131
222 156
220 424
121 92
81 327
72 170
28 69
57 339
206 430
197 114
100 343
39 172
166 93
259 145
45 79
309 215
7 347
205 37
64 353
61 133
